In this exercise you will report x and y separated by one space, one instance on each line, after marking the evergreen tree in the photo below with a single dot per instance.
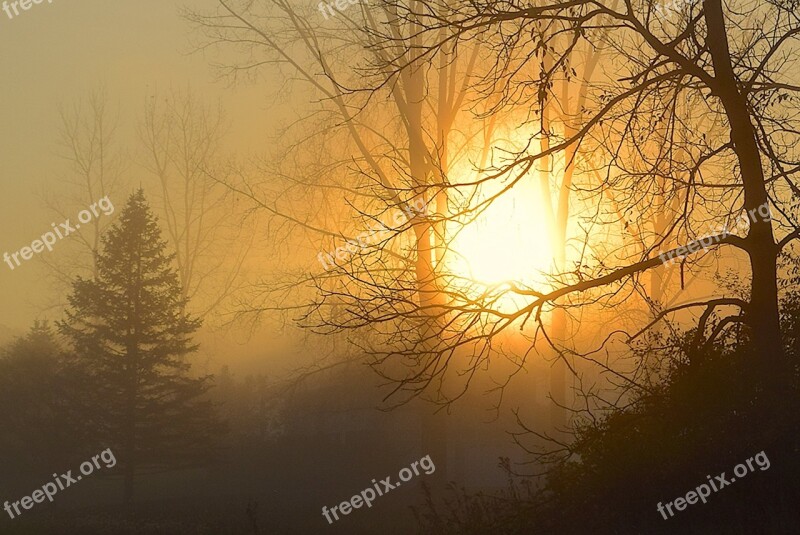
131 327
39 393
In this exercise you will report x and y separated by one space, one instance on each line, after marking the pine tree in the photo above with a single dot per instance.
131 327
40 395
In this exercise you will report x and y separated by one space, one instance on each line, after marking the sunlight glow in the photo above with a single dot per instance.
509 241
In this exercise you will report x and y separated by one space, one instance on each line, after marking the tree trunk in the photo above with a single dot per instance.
129 430
434 431
762 316
129 441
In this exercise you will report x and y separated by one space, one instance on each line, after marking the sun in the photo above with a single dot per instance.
509 241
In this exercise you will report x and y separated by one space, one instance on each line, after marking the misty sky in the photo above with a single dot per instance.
57 53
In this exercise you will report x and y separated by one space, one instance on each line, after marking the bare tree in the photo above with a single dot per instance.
181 139
95 169
641 161
393 165
379 140
737 73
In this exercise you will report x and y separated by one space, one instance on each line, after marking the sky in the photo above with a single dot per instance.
56 53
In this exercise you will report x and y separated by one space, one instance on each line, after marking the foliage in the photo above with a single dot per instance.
705 417
39 387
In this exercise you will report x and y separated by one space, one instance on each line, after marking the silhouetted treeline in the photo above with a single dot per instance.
700 414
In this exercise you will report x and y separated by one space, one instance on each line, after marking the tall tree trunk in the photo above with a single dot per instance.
433 428
129 437
558 370
762 316
131 387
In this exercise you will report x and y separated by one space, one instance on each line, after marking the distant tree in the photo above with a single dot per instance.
130 326
40 420
180 138
94 167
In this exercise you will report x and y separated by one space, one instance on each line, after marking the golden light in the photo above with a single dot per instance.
509 241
